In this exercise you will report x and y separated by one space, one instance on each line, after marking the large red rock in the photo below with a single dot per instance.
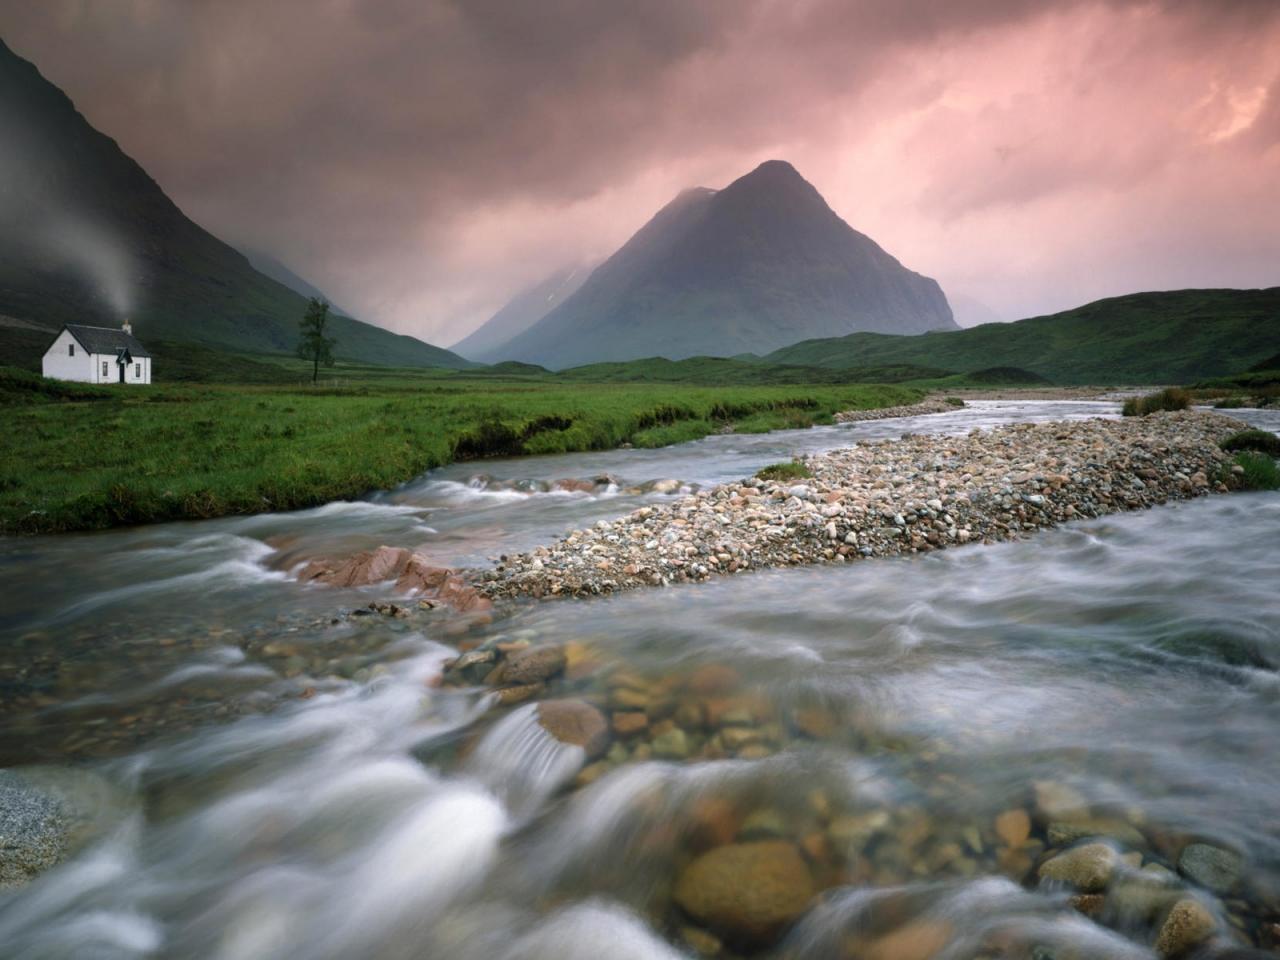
412 573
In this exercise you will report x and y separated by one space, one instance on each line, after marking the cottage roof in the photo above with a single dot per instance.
106 340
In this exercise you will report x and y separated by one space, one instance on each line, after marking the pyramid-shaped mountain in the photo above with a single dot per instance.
758 265
86 236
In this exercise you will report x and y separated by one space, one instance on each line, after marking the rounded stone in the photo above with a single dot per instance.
1013 827
575 722
1211 866
533 665
1088 868
1188 924
749 891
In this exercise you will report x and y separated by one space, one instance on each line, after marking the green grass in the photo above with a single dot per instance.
1177 336
78 457
1173 398
1259 441
1260 472
793 470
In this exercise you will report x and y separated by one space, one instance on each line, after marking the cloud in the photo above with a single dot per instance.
421 161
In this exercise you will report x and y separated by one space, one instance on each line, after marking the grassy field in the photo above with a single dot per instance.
76 457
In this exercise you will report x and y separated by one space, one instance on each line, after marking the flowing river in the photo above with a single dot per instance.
263 776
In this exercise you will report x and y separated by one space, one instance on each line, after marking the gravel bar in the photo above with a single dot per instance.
886 498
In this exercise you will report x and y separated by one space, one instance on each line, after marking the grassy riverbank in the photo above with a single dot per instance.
77 457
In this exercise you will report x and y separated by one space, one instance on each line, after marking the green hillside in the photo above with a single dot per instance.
86 236
1178 336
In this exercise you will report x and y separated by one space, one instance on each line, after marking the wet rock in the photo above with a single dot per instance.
630 723
1088 868
748 891
1188 924
918 940
1140 898
1211 866
519 693
360 570
575 722
32 831
1013 827
46 814
1061 833
1057 801
531 665
766 824
1090 904
411 572
671 745
701 942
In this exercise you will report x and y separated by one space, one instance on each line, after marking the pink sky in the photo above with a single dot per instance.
422 161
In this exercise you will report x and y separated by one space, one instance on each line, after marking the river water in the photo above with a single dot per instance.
271 778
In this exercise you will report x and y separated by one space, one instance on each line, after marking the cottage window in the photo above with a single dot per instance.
71 349
104 368
137 370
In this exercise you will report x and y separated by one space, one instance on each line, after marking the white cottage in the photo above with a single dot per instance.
97 355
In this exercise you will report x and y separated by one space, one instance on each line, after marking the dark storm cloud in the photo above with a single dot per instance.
421 159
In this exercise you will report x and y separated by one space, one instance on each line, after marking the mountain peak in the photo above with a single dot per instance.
761 264
776 169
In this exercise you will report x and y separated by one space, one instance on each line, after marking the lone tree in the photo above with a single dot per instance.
313 345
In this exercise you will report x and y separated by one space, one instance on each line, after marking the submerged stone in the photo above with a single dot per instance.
1188 924
1088 868
1211 866
577 723
749 891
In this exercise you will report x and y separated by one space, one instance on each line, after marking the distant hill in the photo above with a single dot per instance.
1176 336
970 312
488 342
269 266
747 269
87 236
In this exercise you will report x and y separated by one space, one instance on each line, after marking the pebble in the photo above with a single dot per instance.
1088 868
1211 866
1188 924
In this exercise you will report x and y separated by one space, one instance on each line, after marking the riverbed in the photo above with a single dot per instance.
276 777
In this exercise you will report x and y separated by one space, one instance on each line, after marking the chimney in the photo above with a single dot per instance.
127 327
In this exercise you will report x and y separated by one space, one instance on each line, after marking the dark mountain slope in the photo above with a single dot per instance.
87 236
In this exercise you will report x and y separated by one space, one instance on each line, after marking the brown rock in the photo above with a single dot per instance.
360 570
629 723
918 940
714 821
1013 827
532 665
510 696
750 891
1088 868
1188 924
575 722
1090 904
714 678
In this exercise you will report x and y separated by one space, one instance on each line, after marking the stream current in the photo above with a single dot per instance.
266 777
